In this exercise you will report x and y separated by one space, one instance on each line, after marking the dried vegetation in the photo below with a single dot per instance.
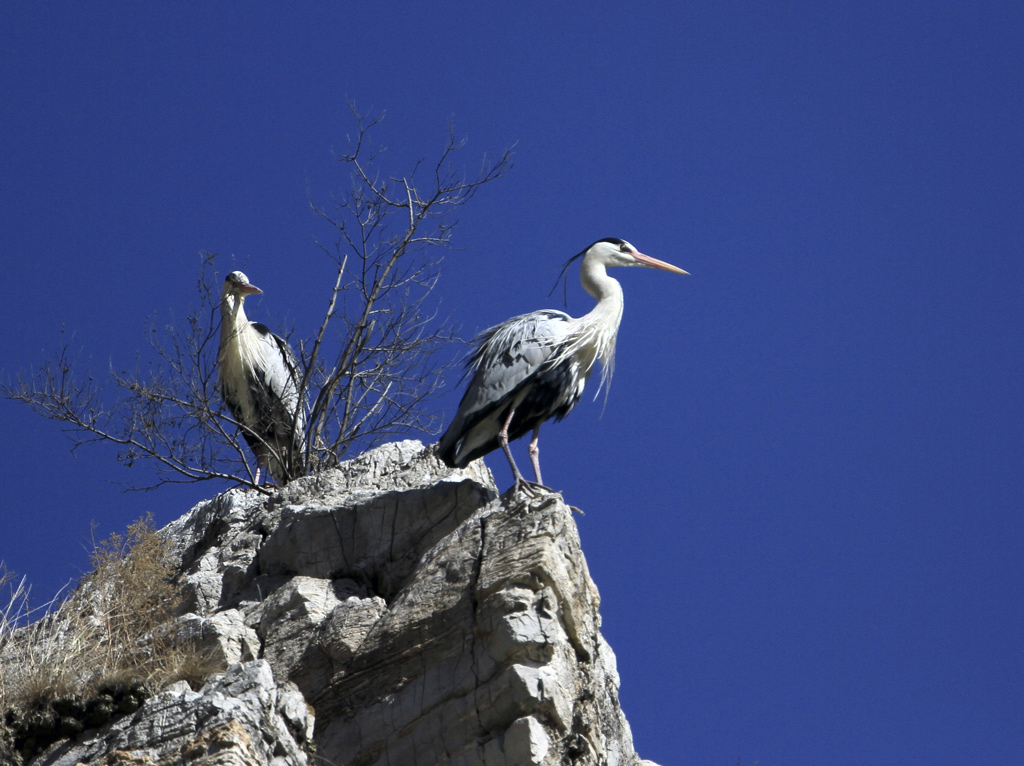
77 661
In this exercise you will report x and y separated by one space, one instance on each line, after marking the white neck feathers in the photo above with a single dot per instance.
594 334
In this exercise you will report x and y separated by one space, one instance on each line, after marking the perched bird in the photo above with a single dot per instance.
533 367
259 380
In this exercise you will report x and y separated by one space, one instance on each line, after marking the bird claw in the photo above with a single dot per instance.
534 489
531 488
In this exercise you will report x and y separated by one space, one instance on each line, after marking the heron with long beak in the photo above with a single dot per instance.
259 379
533 367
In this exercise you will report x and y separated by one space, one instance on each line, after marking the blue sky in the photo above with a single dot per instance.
803 499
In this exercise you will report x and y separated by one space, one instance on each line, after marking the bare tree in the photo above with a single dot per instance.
367 373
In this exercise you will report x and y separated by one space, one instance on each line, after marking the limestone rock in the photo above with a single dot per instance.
223 638
239 718
391 611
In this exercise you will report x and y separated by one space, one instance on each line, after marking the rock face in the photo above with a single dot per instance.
392 611
239 717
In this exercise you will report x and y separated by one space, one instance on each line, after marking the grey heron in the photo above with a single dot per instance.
259 379
533 367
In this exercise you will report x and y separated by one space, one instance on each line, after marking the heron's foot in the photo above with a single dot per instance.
533 489
530 488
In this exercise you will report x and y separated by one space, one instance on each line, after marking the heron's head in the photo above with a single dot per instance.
236 284
618 252
608 252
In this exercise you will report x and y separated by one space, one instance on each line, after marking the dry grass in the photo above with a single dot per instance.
104 635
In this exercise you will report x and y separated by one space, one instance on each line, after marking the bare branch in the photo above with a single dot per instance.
370 369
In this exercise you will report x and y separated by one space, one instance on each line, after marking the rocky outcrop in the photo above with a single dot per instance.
392 611
242 716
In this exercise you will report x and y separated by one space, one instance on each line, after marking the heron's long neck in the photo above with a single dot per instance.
596 331
232 316
608 291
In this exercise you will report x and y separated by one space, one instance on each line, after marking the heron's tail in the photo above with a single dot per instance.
448 445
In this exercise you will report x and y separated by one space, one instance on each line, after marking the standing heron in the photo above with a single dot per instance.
533 367
259 380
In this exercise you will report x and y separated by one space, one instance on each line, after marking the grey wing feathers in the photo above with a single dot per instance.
281 417
506 357
281 376
509 353
285 382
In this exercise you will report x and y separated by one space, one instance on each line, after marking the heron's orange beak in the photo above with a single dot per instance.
249 289
654 263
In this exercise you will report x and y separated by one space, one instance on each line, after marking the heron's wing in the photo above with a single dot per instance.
506 358
509 353
281 376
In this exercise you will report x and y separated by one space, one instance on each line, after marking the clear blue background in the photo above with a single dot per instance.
803 500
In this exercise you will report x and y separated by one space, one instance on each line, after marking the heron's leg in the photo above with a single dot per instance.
535 454
531 487
503 439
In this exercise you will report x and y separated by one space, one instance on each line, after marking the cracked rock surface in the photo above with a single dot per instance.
392 611
239 717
